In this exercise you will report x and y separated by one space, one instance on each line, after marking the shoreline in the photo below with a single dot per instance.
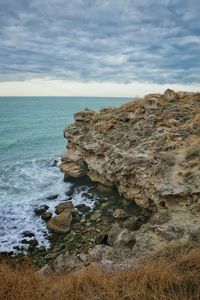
144 200
87 224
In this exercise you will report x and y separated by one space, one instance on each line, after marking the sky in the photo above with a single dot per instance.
98 47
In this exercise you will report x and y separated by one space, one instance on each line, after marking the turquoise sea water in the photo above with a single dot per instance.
31 137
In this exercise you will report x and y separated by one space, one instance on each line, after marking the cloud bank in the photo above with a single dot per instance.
117 41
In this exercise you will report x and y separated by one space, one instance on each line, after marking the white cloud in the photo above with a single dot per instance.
48 87
98 40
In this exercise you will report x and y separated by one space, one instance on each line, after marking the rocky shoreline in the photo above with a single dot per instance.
141 164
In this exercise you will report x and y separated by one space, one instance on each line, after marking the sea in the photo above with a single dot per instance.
31 139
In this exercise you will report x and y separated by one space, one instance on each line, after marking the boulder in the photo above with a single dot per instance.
28 233
33 243
41 209
46 216
133 223
67 263
95 216
119 214
62 206
46 270
118 237
61 223
52 197
170 94
82 208
54 163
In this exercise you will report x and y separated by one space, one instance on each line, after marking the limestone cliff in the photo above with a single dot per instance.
149 149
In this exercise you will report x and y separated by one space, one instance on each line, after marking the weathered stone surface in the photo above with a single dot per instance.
62 206
82 207
33 243
46 270
119 213
140 147
41 209
67 263
28 233
149 150
61 223
72 163
52 197
46 216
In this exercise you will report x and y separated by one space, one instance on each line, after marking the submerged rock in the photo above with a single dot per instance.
32 242
41 209
55 163
52 197
28 233
46 216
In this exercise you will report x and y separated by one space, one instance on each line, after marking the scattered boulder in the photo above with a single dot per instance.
67 263
82 208
125 239
54 163
70 192
95 216
52 197
46 216
41 209
98 252
133 223
119 214
116 237
62 206
33 243
87 195
113 233
61 223
45 270
28 233
170 95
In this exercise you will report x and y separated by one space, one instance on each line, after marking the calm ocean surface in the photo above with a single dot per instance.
31 137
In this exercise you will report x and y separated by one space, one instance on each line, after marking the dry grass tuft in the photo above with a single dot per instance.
193 152
174 275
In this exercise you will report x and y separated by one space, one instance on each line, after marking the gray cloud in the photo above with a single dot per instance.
102 40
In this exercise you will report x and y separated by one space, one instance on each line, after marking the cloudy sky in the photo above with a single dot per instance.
98 47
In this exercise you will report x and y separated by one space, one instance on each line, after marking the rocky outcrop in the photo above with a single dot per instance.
149 149
61 223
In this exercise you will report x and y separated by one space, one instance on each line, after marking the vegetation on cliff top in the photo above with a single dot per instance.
174 275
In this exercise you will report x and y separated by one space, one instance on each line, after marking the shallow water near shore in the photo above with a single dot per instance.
31 138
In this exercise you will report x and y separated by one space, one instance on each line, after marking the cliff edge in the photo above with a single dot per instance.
149 149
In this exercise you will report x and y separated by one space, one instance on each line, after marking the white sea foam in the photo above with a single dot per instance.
24 186
30 130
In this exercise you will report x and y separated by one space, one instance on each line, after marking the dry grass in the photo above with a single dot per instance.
172 276
193 152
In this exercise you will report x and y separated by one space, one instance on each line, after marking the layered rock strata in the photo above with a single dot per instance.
149 149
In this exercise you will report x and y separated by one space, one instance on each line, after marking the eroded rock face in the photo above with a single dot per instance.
144 147
150 150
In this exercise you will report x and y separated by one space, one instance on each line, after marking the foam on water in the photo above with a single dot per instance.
25 186
31 137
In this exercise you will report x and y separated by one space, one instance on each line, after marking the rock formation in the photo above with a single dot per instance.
149 149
